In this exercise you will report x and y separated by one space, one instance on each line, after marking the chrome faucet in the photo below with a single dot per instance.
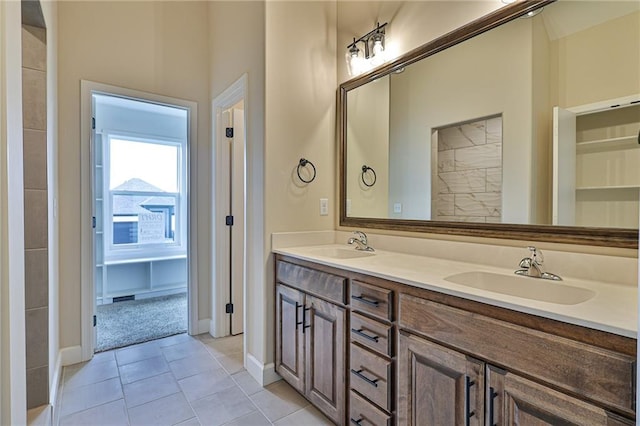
361 241
532 266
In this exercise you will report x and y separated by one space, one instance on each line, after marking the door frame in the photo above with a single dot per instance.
220 321
87 242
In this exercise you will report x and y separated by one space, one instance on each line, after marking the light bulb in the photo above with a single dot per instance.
353 60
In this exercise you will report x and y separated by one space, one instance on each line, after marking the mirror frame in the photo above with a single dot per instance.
595 236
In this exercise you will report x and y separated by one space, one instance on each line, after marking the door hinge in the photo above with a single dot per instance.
228 220
95 320
93 222
228 308
93 123
228 132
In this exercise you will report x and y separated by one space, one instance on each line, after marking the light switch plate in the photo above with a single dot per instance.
397 207
324 207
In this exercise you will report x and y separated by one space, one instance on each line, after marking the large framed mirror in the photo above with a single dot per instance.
523 124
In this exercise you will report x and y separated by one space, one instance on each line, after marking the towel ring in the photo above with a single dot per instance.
366 169
303 163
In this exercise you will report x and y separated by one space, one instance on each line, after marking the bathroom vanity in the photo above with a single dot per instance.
368 349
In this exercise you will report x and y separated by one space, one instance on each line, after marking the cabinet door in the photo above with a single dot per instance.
325 357
514 400
289 336
438 386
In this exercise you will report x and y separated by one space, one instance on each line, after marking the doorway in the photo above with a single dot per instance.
138 283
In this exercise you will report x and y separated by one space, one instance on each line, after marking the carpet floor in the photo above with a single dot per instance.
136 321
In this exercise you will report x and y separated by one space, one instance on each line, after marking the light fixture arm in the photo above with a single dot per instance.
371 35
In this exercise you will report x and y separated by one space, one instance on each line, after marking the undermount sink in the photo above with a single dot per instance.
341 253
525 287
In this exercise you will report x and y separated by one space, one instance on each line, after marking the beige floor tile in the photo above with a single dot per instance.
222 407
205 384
147 390
204 337
143 369
169 410
253 419
309 416
191 365
113 413
89 372
233 363
137 353
183 350
175 339
246 382
225 345
191 422
84 397
278 400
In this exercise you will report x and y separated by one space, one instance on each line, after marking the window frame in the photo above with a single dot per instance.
136 252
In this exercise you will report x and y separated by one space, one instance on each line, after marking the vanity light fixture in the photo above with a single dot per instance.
374 53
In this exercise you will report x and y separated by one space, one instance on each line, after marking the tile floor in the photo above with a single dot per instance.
179 380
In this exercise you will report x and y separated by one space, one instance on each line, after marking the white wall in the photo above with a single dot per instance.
12 320
244 23
368 135
156 47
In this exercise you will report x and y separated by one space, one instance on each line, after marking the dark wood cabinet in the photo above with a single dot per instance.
438 386
370 351
311 339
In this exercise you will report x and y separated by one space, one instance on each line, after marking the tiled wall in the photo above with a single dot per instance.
469 181
34 110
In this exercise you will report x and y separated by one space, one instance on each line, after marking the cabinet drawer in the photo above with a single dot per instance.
373 300
597 374
371 333
371 376
363 413
321 284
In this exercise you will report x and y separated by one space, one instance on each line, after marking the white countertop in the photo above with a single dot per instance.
613 308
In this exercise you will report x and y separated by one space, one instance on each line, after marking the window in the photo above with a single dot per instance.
145 184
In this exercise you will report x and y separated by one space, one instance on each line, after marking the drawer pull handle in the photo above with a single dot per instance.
358 373
469 413
367 301
492 397
356 422
365 335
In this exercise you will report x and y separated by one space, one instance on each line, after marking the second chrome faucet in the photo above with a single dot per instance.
532 266
360 242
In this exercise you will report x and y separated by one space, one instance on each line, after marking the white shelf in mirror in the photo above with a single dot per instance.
607 187
621 142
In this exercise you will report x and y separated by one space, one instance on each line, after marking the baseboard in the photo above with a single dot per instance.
204 326
56 380
263 374
70 355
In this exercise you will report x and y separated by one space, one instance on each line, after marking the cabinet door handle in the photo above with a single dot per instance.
304 318
358 373
361 333
492 396
298 306
363 299
356 422
469 383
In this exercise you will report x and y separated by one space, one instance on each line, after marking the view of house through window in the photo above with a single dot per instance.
140 203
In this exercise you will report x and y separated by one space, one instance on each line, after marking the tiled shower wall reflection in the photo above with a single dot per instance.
469 181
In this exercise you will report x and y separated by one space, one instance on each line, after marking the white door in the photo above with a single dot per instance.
237 210
564 177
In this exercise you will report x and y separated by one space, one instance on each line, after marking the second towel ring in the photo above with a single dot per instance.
303 163
366 169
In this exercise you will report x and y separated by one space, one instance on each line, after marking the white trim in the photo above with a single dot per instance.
70 355
622 102
56 379
87 291
203 326
235 93
263 374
